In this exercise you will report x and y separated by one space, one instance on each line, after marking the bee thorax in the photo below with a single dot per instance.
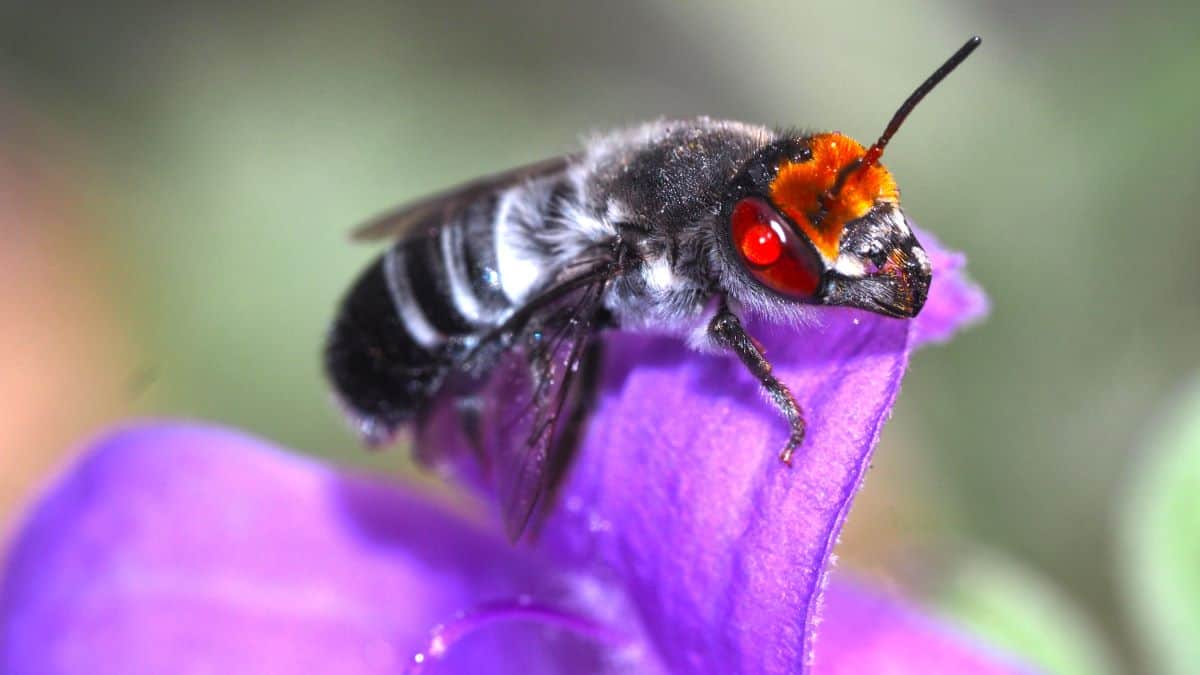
653 295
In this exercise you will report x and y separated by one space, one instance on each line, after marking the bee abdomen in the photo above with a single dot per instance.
400 328
381 373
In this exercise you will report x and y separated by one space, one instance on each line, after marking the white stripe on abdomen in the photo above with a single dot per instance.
415 323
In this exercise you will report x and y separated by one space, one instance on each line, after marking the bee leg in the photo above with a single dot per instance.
726 330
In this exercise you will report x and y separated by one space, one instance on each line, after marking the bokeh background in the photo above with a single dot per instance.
177 180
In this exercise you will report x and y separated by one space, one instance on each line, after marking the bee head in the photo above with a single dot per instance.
809 221
816 219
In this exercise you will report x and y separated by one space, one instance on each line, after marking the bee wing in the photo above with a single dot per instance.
537 424
522 425
442 206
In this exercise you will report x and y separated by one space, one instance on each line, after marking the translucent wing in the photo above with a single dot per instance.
441 207
521 425
541 393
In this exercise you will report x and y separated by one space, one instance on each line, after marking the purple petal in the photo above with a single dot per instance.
678 493
189 549
954 300
862 632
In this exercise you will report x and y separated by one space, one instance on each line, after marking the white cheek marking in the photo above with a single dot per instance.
850 267
519 272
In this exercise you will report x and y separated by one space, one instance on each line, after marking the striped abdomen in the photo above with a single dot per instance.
411 314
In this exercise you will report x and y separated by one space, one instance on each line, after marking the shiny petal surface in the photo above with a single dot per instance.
186 549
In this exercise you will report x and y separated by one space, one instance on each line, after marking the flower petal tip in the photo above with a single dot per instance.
955 301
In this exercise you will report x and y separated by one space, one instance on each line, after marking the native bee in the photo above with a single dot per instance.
493 295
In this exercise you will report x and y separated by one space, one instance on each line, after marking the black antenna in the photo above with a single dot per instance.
876 151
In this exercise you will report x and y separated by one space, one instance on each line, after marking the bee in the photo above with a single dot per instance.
492 298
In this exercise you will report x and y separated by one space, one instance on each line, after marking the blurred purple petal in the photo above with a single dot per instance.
954 300
175 549
679 496
864 632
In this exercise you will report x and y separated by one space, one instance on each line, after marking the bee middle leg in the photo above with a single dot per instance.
726 330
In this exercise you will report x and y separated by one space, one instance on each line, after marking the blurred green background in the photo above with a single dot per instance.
177 180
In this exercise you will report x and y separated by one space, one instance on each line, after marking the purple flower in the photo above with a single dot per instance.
680 544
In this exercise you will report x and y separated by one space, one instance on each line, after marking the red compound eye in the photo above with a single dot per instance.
775 254
761 245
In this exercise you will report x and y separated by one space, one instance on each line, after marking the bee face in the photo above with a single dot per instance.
881 267
807 223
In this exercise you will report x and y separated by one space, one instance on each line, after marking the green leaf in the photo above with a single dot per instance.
1159 545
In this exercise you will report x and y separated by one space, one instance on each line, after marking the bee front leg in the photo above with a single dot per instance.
726 330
